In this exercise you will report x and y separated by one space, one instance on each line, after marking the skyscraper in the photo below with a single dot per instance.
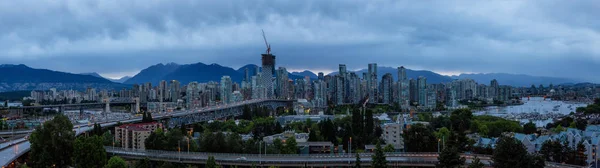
282 88
372 83
386 88
174 90
226 89
268 65
414 91
422 90
321 77
403 89
341 85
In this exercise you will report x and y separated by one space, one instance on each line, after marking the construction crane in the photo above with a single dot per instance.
266 43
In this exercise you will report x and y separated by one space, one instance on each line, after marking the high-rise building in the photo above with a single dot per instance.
246 75
192 95
403 89
493 91
226 89
431 97
422 90
174 91
281 87
320 90
386 88
268 66
372 83
162 91
414 91
321 77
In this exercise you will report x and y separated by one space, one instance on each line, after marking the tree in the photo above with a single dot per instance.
357 163
278 129
378 159
443 133
291 147
581 124
312 136
461 119
510 153
418 138
389 148
476 163
450 158
369 124
108 138
116 162
52 144
144 163
211 163
89 151
529 128
234 143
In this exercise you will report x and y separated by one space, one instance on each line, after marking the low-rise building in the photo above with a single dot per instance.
134 135
392 134
300 137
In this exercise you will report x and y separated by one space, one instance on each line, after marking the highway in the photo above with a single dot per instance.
316 160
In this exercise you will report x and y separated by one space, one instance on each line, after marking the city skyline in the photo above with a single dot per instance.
120 38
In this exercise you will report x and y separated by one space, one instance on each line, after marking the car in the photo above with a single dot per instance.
241 158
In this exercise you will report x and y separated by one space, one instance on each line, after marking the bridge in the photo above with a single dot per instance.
14 150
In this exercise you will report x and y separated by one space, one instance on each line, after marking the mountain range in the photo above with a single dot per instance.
120 80
432 77
198 72
22 77
515 79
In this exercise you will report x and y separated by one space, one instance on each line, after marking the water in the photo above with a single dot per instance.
536 109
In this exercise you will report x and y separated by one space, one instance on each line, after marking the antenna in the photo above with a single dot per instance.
266 43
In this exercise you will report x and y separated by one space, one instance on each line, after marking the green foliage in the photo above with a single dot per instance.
97 130
14 95
581 124
561 152
144 163
89 151
211 163
116 162
441 121
427 117
290 146
476 163
591 109
461 120
419 138
450 158
378 159
52 144
529 128
491 126
107 138
510 153
443 133
389 148
558 129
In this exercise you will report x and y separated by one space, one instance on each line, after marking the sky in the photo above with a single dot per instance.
117 38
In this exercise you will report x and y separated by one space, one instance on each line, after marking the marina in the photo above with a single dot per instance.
536 109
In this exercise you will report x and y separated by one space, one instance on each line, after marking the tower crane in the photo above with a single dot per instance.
266 43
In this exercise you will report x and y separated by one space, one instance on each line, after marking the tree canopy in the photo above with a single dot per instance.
116 162
89 151
450 158
52 143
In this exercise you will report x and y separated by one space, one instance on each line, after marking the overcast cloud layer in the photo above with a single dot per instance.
115 38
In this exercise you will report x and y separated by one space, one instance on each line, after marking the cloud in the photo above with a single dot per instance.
550 38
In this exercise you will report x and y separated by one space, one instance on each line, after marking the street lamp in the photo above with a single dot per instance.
439 140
